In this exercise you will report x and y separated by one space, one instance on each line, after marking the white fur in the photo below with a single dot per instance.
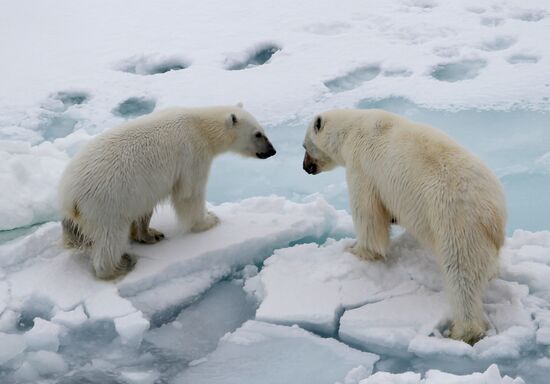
445 196
122 174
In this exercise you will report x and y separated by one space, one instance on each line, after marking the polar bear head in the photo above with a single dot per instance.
250 139
318 157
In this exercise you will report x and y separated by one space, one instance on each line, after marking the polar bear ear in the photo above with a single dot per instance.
240 104
318 124
231 120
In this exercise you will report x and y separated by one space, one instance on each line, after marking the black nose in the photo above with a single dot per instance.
264 155
310 168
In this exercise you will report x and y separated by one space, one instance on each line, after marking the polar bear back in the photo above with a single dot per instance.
136 164
420 173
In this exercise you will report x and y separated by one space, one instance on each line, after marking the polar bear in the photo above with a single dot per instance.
413 173
110 188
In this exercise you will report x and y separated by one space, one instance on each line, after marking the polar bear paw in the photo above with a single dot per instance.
470 333
210 220
149 236
364 253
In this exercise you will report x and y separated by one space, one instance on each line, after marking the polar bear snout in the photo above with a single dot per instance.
266 149
310 165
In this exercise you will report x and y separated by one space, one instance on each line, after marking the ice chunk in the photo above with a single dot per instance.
164 279
392 378
8 321
47 362
311 285
490 376
29 185
12 346
249 232
26 373
394 322
268 353
4 295
72 318
196 331
147 377
397 307
108 304
34 307
131 328
44 335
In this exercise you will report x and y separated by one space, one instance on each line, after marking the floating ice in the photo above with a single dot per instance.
131 328
12 346
107 304
490 376
72 318
44 335
398 307
224 308
269 353
46 362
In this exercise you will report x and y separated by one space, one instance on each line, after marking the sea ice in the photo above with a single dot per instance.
12 346
47 362
72 318
197 329
131 328
265 353
44 335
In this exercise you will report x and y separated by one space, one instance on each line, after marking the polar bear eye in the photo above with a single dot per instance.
258 135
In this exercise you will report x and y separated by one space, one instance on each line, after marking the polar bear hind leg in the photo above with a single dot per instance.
109 257
467 269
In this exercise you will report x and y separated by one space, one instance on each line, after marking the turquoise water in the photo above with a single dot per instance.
510 142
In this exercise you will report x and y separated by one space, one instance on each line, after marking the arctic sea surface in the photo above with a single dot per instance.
269 295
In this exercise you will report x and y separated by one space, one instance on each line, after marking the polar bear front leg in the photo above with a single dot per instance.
370 219
192 212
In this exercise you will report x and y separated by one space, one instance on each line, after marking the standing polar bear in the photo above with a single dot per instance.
109 190
446 197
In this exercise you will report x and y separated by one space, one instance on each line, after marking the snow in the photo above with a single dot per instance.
270 353
490 376
274 274
131 328
47 362
12 346
72 318
482 74
44 335
398 308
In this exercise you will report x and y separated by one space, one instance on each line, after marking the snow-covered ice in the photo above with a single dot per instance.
265 353
398 308
273 277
